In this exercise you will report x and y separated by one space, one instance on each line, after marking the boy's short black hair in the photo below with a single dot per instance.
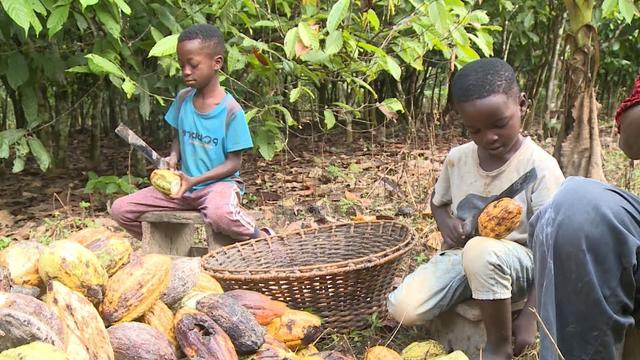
208 34
482 78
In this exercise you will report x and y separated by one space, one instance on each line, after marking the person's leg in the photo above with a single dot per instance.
127 209
498 272
431 289
586 243
220 206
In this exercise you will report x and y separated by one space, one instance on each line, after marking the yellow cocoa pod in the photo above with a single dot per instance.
206 283
134 288
456 355
111 253
87 336
167 182
499 218
87 235
21 259
75 266
191 298
36 350
423 350
160 317
295 328
307 351
381 353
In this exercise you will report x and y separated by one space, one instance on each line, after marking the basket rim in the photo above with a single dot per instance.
312 270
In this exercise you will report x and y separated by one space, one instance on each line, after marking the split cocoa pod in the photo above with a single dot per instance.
167 182
200 337
500 218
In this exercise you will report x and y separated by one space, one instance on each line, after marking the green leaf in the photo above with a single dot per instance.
478 17
251 114
364 85
129 87
295 94
18 165
20 11
290 43
79 69
35 23
308 36
8 138
329 119
156 34
37 6
287 115
165 46
265 23
109 23
372 48
484 42
86 3
81 22
123 6
235 59
19 70
100 65
338 12
440 17
374 22
393 104
40 153
393 68
29 102
57 19
609 7
334 42
315 57
628 9
112 188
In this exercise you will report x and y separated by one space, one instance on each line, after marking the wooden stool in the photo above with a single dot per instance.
172 232
461 328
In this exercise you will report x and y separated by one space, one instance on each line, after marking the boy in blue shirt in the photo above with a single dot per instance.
211 134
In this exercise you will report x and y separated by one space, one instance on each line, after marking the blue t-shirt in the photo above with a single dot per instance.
207 138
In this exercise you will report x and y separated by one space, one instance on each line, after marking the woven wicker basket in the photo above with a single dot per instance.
341 272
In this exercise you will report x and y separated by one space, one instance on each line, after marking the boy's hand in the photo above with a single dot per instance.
172 161
186 184
524 330
452 233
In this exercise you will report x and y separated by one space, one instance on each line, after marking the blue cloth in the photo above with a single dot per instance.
207 138
586 245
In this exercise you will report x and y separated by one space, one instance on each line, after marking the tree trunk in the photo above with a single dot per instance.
62 124
578 145
551 85
137 161
96 120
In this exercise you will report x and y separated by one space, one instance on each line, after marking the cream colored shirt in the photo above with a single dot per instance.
462 175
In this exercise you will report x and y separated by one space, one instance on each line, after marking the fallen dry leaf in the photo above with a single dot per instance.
363 218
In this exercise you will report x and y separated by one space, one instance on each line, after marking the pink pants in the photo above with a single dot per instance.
219 204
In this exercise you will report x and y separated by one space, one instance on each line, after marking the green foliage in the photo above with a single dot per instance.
284 58
334 172
291 64
5 241
111 185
